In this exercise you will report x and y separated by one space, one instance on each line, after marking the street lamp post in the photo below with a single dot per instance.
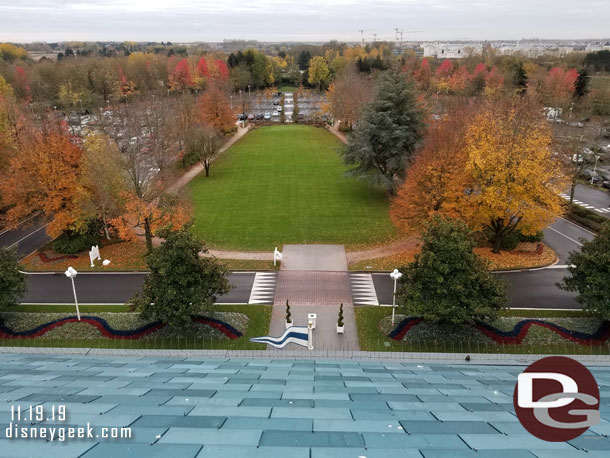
395 275
71 273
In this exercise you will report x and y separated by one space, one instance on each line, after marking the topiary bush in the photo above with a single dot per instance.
288 314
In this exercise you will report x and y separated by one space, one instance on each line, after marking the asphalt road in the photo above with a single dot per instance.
109 288
594 197
28 236
528 288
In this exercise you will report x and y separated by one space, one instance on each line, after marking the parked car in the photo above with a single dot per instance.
260 116
279 108
276 101
576 124
251 117
606 184
267 116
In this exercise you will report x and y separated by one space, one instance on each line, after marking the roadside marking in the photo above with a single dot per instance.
263 288
19 223
542 308
578 226
569 238
585 205
29 235
85 273
363 289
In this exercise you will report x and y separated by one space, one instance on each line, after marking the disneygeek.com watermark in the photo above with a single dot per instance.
24 424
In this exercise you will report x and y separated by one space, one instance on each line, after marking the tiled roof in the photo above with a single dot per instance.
236 408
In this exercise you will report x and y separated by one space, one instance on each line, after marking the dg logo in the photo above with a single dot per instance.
556 399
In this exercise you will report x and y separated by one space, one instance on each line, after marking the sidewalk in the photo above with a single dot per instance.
314 279
334 129
198 168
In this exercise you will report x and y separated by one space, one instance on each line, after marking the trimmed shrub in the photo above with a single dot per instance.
74 242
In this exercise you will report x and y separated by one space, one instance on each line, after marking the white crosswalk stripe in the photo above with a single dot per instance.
363 289
585 205
263 288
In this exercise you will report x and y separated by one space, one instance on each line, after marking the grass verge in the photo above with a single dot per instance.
587 218
123 256
258 316
374 324
523 257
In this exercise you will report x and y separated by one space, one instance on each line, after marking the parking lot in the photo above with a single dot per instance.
288 107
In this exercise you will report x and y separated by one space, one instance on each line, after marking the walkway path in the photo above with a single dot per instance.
197 169
334 129
397 247
314 279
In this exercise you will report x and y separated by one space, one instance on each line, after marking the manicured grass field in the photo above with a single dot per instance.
286 184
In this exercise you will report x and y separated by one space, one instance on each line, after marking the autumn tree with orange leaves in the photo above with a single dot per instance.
45 176
214 109
142 215
558 87
493 169
436 180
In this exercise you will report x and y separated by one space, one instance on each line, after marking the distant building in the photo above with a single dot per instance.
450 50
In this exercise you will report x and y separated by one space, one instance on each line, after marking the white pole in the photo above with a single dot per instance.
75 299
394 301
309 335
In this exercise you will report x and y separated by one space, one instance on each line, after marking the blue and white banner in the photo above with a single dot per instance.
295 334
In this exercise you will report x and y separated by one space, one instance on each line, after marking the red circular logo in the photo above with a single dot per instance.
556 399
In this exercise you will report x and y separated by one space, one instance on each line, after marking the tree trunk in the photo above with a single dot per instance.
148 235
497 243
572 190
105 227
206 166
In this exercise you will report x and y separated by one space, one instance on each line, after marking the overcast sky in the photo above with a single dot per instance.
304 20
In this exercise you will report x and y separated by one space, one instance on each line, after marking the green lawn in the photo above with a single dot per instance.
259 317
463 339
287 89
286 184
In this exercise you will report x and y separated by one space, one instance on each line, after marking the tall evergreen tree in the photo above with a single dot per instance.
520 78
387 135
447 282
581 85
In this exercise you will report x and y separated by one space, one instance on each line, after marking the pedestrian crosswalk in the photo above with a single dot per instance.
363 289
585 205
263 288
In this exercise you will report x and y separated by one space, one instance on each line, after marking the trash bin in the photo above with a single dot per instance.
312 317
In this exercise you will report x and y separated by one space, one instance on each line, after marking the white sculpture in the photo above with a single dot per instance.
94 254
277 256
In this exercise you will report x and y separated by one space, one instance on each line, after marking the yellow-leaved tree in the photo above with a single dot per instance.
516 178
